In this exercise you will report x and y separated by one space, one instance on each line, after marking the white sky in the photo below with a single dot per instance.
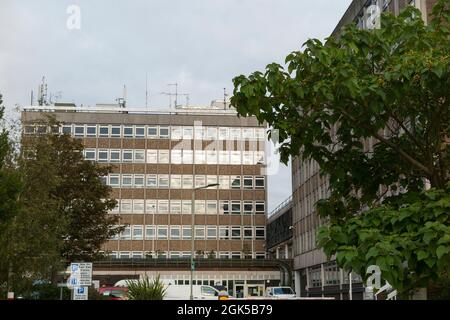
201 44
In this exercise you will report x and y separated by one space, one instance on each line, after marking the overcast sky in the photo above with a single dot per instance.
200 44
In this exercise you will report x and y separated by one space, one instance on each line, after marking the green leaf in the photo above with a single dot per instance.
441 251
422 255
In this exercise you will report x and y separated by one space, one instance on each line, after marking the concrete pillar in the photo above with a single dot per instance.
277 253
297 283
286 251
322 277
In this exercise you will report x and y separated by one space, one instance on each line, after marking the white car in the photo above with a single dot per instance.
280 292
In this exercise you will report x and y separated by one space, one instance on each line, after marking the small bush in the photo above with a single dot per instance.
146 289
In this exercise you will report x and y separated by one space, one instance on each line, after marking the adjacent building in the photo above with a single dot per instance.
314 275
158 159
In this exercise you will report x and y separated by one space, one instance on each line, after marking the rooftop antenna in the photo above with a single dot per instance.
42 93
176 92
146 91
187 98
123 101
225 95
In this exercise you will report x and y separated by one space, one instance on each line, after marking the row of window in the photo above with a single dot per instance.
186 254
153 132
185 181
139 206
175 156
173 232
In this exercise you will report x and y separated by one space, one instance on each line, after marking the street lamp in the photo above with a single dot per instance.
192 233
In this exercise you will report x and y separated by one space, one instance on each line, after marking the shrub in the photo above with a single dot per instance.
146 289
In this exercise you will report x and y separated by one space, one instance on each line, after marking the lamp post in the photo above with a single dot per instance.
192 234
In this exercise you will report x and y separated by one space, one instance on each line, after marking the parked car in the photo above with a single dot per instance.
114 293
199 292
280 292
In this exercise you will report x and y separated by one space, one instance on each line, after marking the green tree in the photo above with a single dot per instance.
10 188
388 86
80 197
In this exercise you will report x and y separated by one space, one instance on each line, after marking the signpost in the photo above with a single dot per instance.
80 293
80 279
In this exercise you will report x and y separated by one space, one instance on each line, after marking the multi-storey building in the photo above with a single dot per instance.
314 275
158 159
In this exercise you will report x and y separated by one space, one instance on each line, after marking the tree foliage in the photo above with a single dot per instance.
371 107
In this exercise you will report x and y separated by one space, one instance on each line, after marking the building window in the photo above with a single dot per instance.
175 181
211 180
175 206
211 157
139 156
187 181
247 158
200 181
150 206
224 232
224 182
235 157
163 180
199 232
175 232
126 206
127 155
137 232
188 156
235 207
235 182
128 132
124 255
200 206
176 156
152 132
114 180
187 207
211 207
260 182
248 182
224 207
115 131
223 133
198 132
224 255
162 232
152 156
138 180
103 156
236 232
137 255
126 233
79 131
114 155
260 207
247 134
260 255
260 233
163 206
224 157
176 133
104 131
187 233
140 132
188 133
91 131
235 255
200 156
260 133
138 206
89 154
248 207
235 133
67 129
152 181
127 180
164 132
163 156
248 233
211 133
211 232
